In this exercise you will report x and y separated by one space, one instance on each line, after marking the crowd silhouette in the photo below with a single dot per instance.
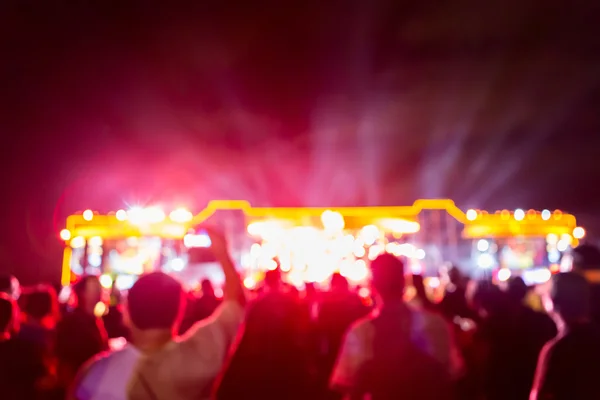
480 342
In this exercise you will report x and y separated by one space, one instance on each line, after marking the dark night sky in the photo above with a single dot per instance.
493 103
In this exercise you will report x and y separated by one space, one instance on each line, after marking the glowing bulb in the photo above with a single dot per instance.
332 221
100 309
249 283
88 215
95 241
177 264
154 215
579 233
65 234
181 215
483 245
106 281
420 254
519 214
504 274
78 242
562 245
546 214
369 234
471 215
485 261
121 215
551 238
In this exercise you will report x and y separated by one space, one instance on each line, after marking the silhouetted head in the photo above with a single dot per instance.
155 301
207 288
419 285
586 257
41 303
338 282
88 292
517 289
455 276
388 276
273 278
570 297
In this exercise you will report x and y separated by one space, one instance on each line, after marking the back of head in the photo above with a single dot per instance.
517 289
586 257
207 288
388 276
571 296
87 289
455 275
40 303
273 278
155 301
7 311
338 282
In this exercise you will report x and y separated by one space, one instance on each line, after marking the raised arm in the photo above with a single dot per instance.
233 290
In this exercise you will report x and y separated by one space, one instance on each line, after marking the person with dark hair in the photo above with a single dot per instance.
399 352
170 368
568 366
20 366
508 334
80 335
586 261
199 307
337 310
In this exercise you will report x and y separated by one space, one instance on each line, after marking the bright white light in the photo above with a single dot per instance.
100 309
537 276
553 256
121 215
88 215
471 215
190 240
95 260
332 221
177 264
124 282
95 241
106 281
562 245
519 214
483 245
369 234
78 242
433 282
181 215
255 250
249 283
485 261
359 252
420 254
551 238
136 215
546 214
504 274
154 215
579 233
65 234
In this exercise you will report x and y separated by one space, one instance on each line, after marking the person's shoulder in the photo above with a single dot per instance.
362 326
426 316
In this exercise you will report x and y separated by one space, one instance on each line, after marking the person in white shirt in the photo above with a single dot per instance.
159 365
